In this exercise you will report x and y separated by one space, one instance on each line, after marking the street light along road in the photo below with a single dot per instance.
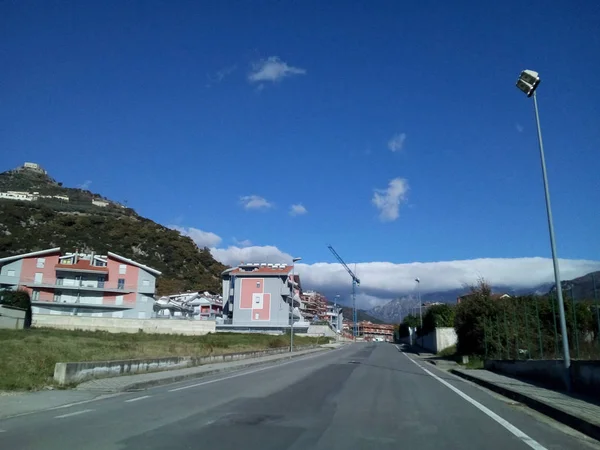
528 82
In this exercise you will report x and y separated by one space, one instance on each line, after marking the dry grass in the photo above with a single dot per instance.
27 357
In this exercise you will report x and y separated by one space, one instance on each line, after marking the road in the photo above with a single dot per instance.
362 396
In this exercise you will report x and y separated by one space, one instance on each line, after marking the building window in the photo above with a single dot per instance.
258 284
57 295
122 269
101 280
119 300
35 295
60 281
10 273
41 262
146 283
39 276
121 283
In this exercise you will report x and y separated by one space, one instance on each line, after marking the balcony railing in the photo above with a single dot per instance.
87 285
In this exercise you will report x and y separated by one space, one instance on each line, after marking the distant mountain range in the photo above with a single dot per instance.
393 311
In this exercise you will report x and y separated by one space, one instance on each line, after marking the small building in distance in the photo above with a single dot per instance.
100 202
84 284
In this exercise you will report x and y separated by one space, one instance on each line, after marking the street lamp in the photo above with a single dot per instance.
528 82
292 291
419 300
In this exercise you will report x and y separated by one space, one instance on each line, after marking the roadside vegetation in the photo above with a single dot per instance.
27 357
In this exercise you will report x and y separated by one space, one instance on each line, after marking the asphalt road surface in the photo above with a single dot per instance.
362 396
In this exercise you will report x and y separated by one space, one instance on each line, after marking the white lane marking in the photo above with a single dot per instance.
131 400
248 373
510 427
2 431
76 413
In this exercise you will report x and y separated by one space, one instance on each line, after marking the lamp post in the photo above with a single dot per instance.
335 311
292 291
419 300
528 82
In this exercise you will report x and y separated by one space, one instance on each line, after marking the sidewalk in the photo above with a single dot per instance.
143 381
572 411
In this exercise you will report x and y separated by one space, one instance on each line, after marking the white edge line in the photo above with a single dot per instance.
76 413
249 372
131 400
510 427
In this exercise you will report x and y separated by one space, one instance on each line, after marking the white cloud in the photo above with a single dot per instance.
297 210
396 143
233 255
388 200
272 69
243 243
383 281
255 202
519 127
201 238
85 185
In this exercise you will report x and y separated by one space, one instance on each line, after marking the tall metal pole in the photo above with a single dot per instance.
418 280
557 281
292 308
355 315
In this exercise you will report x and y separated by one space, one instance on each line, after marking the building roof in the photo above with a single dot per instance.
262 271
27 255
134 263
82 264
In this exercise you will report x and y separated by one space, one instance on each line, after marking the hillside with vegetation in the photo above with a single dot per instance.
27 226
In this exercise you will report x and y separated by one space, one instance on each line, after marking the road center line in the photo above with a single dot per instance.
510 427
131 400
76 413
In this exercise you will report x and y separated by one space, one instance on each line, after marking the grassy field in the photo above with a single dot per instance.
27 357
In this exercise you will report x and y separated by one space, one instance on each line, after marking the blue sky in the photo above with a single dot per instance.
183 108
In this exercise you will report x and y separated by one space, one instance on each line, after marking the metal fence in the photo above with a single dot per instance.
529 327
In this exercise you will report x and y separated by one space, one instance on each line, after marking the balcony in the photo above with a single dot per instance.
84 285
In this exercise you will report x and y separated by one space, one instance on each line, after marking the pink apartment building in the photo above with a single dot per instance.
82 283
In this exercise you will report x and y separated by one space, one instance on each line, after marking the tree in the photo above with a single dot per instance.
438 316
18 299
472 313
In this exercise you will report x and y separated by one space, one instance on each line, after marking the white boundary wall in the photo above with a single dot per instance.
438 340
115 325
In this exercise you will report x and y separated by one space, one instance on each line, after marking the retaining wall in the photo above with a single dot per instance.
115 325
77 372
585 375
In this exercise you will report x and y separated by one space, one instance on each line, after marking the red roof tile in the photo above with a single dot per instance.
262 271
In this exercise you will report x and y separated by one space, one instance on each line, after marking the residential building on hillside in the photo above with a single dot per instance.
197 305
313 306
19 195
372 331
335 317
99 202
258 295
82 283
35 167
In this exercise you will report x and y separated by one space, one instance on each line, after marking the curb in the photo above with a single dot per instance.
557 414
140 385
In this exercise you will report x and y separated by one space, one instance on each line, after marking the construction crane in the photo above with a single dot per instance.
355 282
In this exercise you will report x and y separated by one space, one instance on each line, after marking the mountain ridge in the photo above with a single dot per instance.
47 220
